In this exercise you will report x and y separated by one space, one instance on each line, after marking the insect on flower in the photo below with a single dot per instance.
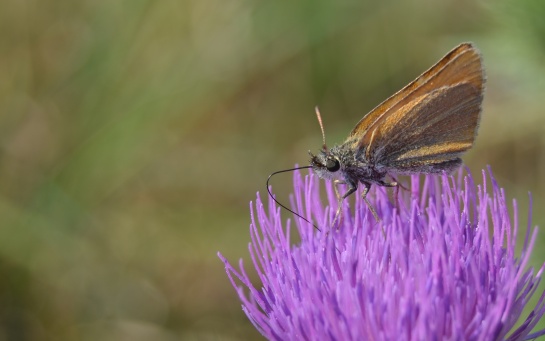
423 128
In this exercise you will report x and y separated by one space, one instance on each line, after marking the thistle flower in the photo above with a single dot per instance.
440 265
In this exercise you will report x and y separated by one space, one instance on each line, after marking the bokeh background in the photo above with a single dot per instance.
133 135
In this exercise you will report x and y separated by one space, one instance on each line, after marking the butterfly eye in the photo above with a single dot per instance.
332 165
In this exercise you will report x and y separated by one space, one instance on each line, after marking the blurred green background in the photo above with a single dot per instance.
133 135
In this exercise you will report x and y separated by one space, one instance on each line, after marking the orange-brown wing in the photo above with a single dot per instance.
429 133
461 65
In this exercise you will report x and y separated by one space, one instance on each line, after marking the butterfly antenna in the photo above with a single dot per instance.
284 207
321 125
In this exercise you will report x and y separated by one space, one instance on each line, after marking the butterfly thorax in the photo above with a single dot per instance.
345 164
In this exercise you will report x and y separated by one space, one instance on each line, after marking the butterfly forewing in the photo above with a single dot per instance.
460 66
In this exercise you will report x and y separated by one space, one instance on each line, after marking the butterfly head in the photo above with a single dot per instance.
325 164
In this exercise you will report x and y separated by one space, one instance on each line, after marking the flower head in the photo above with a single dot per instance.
440 265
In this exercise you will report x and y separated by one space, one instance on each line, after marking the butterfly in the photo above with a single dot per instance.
423 128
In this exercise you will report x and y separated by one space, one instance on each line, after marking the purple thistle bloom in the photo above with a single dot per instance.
440 265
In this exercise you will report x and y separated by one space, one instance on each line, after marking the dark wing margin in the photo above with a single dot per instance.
461 65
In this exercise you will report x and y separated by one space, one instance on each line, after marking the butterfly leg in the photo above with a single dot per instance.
389 184
371 208
340 198
397 185
367 187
